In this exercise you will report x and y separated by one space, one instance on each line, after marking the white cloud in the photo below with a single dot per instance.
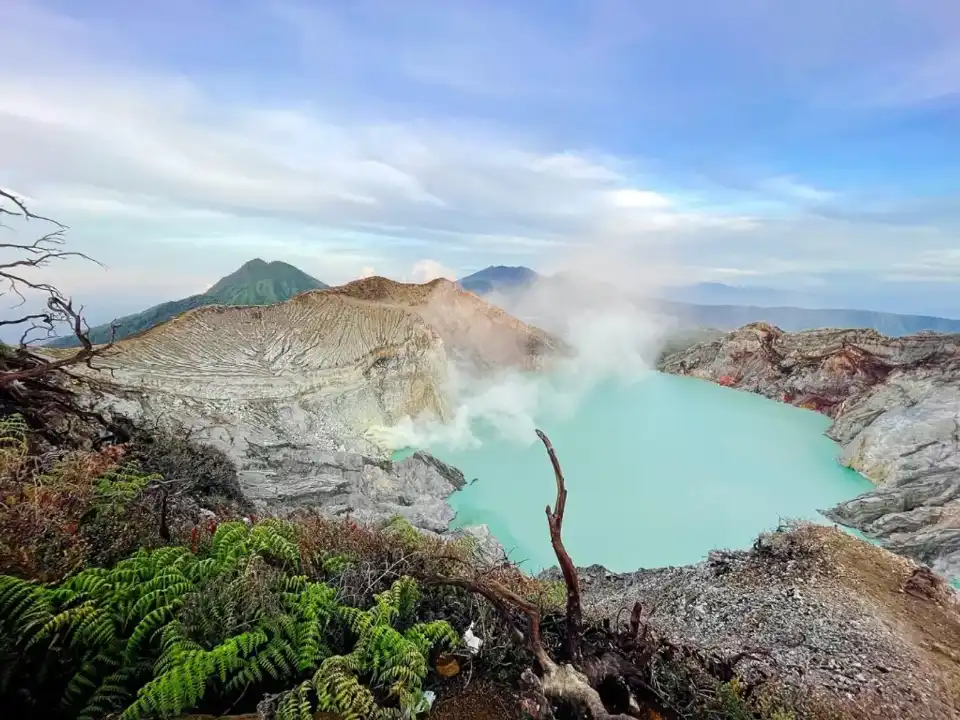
638 199
164 179
792 189
140 164
426 270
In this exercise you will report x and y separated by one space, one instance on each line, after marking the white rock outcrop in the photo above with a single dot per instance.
295 392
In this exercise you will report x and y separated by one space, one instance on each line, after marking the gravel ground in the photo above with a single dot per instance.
827 609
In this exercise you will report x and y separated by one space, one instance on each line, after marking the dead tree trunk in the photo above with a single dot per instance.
570 577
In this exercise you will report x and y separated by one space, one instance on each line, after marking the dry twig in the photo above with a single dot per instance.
34 383
23 363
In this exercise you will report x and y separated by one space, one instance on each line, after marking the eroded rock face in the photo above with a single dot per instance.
366 489
475 333
895 403
295 392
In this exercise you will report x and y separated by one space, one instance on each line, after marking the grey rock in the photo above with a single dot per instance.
895 404
489 549
367 489
805 608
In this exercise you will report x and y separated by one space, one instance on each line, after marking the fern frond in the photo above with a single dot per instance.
24 606
166 629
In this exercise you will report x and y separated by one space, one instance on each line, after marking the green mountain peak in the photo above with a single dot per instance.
256 282
260 283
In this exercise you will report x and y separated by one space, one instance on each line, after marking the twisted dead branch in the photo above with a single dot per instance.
562 683
33 382
17 281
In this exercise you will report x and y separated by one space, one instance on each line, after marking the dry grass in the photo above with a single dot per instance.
367 558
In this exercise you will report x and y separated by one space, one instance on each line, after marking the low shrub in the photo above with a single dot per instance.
201 470
62 511
69 508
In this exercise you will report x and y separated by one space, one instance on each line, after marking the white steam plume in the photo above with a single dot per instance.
608 320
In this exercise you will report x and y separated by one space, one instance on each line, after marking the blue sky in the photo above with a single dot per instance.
809 147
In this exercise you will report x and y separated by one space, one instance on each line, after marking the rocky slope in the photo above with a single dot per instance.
857 628
895 404
476 334
294 392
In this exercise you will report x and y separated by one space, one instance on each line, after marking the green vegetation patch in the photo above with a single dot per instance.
169 630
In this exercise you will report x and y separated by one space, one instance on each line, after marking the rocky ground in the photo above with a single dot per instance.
895 404
820 610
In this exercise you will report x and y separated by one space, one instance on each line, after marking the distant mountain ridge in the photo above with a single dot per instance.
497 276
509 280
261 283
255 283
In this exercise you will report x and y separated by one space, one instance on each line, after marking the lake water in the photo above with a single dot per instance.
659 471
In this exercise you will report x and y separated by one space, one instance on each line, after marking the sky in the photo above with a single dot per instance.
809 148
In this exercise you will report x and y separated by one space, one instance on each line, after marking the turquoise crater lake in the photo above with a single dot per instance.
659 471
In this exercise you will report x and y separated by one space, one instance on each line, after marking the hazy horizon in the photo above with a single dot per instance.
102 310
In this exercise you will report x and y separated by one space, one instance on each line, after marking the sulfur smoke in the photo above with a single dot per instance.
613 329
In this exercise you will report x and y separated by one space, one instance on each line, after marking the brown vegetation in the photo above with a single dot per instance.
57 518
64 508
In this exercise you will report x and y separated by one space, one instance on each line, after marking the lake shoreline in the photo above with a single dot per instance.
489 500
893 407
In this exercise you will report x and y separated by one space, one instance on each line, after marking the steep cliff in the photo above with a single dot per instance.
295 392
895 403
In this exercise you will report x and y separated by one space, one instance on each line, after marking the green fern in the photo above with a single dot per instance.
392 662
166 630
116 488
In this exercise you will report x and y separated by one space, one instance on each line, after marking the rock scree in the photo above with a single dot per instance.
819 611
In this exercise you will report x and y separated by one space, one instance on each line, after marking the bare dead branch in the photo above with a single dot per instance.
24 364
635 620
503 599
570 577
22 209
27 318
16 201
